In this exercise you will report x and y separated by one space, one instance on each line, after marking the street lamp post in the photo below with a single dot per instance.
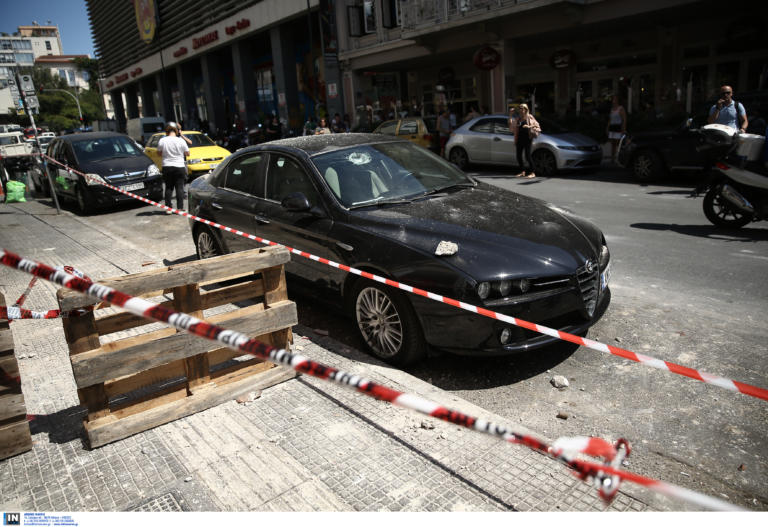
77 101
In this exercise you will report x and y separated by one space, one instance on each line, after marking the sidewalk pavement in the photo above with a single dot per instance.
303 445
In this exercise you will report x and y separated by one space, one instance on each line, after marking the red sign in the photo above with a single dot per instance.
240 24
121 78
110 84
486 58
179 52
135 72
206 39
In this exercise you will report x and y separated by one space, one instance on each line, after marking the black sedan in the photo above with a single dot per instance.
106 157
395 209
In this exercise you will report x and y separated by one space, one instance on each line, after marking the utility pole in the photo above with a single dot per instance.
27 93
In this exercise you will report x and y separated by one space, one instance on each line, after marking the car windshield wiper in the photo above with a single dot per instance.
382 201
454 186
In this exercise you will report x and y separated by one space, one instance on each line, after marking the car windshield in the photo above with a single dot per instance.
384 173
105 148
199 140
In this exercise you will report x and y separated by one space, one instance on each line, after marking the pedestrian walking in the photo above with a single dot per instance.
617 125
174 152
526 128
444 129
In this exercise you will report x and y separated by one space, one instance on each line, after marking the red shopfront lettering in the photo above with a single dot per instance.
121 78
240 24
213 36
179 52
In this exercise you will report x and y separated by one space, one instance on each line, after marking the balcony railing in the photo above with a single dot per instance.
417 14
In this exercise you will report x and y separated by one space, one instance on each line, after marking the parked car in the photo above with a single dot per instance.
204 154
487 140
422 131
16 151
109 156
389 207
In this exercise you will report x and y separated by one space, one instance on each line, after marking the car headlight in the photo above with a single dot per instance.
94 179
152 170
194 161
605 256
504 287
564 147
483 290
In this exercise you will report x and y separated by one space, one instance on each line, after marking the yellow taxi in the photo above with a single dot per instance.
204 154
415 129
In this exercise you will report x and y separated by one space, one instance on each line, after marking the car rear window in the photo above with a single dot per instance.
388 128
409 127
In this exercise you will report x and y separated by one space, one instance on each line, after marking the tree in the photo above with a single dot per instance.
91 67
58 111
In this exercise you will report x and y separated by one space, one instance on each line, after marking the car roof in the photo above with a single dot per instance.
315 144
83 136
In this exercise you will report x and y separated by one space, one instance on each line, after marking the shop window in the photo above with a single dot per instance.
369 16
355 21
264 85
391 14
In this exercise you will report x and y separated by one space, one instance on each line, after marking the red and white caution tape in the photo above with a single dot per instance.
728 384
16 312
605 476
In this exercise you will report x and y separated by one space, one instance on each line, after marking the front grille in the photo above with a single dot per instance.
210 159
125 177
588 277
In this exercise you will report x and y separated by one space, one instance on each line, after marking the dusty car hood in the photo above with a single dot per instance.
497 231
117 165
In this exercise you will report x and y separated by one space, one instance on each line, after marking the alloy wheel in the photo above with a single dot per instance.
379 322
207 247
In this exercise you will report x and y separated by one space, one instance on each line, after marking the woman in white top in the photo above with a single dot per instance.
174 151
617 125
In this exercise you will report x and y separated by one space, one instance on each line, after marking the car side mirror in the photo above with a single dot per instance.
689 122
296 202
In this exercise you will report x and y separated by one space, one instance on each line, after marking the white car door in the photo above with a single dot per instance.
503 143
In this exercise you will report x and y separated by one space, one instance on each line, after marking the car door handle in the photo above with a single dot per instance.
261 219
345 246
216 205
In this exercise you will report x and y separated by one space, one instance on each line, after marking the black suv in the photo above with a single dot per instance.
109 156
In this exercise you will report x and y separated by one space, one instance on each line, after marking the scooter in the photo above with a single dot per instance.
737 191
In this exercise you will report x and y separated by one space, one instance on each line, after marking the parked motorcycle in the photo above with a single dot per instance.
737 191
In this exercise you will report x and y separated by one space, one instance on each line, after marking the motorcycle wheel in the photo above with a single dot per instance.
721 213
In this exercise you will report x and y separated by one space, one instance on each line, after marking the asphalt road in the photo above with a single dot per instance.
682 291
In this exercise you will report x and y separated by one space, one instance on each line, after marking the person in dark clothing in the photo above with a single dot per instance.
273 129
526 128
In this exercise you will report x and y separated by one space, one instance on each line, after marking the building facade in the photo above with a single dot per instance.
21 50
64 67
229 60
215 65
658 56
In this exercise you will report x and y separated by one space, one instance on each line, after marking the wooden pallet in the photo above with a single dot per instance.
135 383
15 437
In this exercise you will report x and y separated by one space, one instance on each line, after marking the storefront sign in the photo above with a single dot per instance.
179 52
135 72
110 84
206 39
561 58
146 19
240 24
486 58
332 90
121 78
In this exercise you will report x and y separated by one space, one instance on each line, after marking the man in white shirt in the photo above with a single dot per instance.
174 151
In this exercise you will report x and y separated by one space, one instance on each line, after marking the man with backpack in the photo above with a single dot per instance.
728 112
